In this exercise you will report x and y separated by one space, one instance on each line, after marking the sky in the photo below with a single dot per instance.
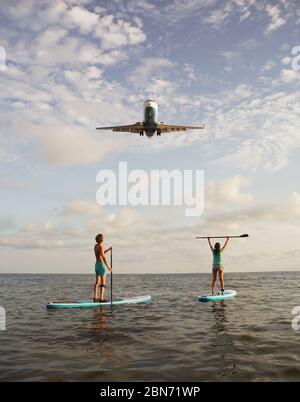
72 65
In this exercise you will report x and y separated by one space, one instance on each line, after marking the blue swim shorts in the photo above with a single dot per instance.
100 268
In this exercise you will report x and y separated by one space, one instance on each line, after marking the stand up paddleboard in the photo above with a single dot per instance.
90 304
227 294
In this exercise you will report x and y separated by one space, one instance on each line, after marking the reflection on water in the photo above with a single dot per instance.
223 341
101 319
173 338
219 313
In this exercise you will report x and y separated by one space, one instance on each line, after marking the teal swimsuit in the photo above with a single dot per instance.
217 261
217 257
100 268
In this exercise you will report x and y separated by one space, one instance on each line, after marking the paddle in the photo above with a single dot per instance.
221 237
111 280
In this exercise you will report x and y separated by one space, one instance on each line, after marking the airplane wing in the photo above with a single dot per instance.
168 128
129 128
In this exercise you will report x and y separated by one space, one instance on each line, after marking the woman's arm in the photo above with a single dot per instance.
107 250
225 244
102 253
210 245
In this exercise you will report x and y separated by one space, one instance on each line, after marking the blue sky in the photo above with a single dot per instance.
73 64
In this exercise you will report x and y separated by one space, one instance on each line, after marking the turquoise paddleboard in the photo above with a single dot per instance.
90 304
228 294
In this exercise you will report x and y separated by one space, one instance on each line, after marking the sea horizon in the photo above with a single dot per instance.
143 273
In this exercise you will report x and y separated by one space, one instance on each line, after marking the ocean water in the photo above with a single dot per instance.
249 338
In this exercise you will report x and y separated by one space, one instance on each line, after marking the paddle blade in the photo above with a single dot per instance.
244 235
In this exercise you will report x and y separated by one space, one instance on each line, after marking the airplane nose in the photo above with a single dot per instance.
150 133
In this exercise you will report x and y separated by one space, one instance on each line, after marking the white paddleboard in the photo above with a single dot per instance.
90 304
227 294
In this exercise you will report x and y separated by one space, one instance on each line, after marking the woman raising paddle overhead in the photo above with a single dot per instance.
100 268
217 264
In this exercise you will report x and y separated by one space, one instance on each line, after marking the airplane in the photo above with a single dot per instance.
150 124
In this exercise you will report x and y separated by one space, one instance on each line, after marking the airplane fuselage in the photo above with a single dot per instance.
150 121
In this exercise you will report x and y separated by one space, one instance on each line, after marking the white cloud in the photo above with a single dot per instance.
54 12
228 192
115 34
149 67
243 91
156 87
232 57
54 41
269 65
216 14
57 143
30 244
18 10
138 7
125 221
289 75
81 208
51 37
249 44
190 71
218 17
252 129
285 212
86 219
286 60
277 20
40 228
83 18
93 72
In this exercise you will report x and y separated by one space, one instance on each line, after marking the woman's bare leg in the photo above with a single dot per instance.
96 288
213 284
221 277
102 287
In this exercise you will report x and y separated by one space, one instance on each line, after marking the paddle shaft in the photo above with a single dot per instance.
111 278
220 237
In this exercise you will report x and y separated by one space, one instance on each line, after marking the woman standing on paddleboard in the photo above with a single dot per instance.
217 266
100 268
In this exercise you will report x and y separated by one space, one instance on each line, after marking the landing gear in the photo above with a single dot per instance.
141 133
158 133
